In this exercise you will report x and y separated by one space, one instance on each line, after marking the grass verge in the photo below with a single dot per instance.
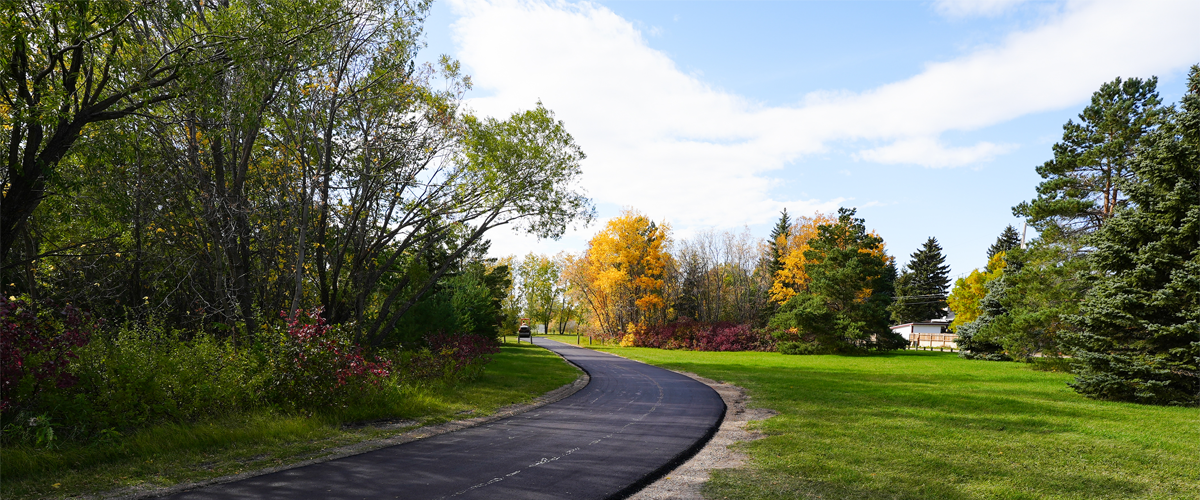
171 454
919 424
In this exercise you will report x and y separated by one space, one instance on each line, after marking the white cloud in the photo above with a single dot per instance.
929 152
677 148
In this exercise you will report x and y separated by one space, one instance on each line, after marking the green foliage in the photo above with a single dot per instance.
539 281
799 347
778 242
1031 303
1082 186
922 285
1008 240
1140 324
852 285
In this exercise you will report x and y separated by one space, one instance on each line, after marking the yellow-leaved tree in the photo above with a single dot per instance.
792 277
621 275
968 292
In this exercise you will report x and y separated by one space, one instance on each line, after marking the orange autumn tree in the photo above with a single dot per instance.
621 275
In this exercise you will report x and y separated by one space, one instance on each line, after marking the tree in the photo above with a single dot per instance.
538 278
1140 323
1032 297
921 287
967 295
72 64
1083 186
792 277
846 301
778 242
717 277
621 275
1008 240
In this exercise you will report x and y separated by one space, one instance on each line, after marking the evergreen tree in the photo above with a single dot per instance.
921 287
779 238
1082 187
1008 240
1140 338
846 262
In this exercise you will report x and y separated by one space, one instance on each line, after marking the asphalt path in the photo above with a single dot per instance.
629 426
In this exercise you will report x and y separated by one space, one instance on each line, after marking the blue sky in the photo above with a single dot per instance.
930 117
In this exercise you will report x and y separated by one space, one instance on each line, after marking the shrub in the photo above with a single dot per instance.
692 335
37 350
799 347
314 365
452 357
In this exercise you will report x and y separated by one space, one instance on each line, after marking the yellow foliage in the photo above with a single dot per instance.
968 292
628 340
621 273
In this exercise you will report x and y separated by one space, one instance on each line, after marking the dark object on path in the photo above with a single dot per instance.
631 425
524 333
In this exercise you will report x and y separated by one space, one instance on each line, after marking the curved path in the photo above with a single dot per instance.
630 425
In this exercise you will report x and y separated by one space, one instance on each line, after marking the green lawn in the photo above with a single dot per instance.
919 424
172 454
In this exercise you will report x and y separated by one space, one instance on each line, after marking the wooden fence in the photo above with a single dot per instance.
933 341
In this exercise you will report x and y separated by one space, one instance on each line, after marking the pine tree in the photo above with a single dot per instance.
1082 186
1140 338
1008 240
921 287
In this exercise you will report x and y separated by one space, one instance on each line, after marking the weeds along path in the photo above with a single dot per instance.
629 426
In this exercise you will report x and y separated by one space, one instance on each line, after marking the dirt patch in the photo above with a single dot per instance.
685 481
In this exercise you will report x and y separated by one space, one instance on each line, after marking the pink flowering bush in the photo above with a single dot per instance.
316 366
37 350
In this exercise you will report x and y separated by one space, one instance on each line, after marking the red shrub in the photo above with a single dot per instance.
36 350
316 367
690 335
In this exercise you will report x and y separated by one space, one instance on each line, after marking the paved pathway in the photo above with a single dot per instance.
630 425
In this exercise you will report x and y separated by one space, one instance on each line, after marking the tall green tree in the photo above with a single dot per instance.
1140 338
1008 240
778 242
852 285
1083 184
922 285
538 277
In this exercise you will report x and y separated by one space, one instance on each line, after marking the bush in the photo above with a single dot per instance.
37 350
450 357
971 347
691 335
314 365
799 347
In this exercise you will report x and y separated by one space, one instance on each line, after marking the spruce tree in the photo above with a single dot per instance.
1140 338
921 287
1008 240
783 228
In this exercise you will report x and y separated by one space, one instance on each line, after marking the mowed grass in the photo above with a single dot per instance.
916 424
177 453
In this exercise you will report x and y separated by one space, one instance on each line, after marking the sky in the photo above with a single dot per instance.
928 117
